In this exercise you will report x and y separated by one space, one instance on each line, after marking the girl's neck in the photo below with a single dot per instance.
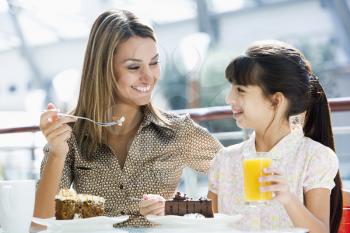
265 140
133 117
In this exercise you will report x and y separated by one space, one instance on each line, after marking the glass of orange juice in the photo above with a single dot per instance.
253 166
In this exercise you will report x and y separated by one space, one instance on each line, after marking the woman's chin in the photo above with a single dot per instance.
141 103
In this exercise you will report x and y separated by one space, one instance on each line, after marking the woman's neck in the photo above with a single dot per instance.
133 117
265 140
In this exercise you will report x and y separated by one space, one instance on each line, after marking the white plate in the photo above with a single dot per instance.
221 220
85 224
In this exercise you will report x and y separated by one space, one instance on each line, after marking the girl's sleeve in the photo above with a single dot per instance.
199 146
321 169
214 174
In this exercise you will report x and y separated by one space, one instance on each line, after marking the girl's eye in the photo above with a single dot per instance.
240 90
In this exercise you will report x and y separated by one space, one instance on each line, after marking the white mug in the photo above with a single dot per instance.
16 205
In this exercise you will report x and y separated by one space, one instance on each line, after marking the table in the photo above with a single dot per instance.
175 230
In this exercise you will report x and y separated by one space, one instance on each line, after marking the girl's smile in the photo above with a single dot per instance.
237 112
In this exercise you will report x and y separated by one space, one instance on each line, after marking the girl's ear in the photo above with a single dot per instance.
277 100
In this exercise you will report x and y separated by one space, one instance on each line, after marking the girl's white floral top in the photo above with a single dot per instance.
307 165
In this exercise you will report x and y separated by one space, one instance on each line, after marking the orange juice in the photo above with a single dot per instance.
252 170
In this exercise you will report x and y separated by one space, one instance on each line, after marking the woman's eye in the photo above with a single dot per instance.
154 63
133 67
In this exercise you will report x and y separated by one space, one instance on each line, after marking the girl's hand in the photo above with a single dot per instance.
279 185
56 130
152 204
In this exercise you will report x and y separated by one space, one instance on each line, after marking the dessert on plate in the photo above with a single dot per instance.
182 205
70 205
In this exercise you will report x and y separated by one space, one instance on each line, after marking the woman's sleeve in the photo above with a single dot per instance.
67 173
321 169
199 146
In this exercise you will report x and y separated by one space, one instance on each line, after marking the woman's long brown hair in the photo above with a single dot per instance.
98 84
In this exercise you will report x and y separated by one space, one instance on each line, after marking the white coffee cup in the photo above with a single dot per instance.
16 205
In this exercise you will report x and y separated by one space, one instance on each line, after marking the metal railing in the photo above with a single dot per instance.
202 114
199 115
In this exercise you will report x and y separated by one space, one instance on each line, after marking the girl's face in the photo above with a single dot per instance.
136 67
250 107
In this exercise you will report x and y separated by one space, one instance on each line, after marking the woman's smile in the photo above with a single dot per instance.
144 89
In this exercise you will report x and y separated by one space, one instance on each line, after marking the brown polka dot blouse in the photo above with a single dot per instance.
154 164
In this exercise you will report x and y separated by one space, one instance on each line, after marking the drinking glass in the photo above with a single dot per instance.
253 168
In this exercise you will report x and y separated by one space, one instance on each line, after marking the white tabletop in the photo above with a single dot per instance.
179 229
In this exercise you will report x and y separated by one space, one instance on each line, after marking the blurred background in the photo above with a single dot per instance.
42 45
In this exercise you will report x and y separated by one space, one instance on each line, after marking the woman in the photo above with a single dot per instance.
144 155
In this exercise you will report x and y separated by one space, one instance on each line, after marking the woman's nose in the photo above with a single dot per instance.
146 74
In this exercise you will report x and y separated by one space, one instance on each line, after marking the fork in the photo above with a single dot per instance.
103 124
135 199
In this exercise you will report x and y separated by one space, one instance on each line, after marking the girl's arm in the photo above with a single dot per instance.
214 199
314 215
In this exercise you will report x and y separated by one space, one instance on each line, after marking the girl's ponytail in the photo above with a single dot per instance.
318 127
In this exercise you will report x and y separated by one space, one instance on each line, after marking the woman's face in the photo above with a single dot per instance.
136 68
250 107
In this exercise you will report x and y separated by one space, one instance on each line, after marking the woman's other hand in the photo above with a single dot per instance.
152 204
56 130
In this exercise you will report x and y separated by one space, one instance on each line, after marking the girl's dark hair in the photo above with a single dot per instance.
278 67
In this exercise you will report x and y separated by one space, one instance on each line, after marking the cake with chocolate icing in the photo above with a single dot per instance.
181 205
70 205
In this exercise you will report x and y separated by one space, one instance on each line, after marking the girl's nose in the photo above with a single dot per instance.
227 99
230 98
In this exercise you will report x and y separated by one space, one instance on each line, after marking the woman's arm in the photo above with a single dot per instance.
214 199
199 146
48 187
57 133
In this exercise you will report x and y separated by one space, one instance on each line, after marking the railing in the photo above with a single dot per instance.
202 114
199 114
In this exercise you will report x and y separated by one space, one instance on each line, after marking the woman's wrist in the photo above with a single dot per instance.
53 156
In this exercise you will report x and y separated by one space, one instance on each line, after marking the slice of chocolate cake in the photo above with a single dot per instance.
181 205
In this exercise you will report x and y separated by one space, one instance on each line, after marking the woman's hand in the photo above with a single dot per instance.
279 185
152 204
56 131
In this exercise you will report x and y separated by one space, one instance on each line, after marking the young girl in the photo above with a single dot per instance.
274 88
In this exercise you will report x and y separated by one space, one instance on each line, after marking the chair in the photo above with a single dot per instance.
345 222
346 198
